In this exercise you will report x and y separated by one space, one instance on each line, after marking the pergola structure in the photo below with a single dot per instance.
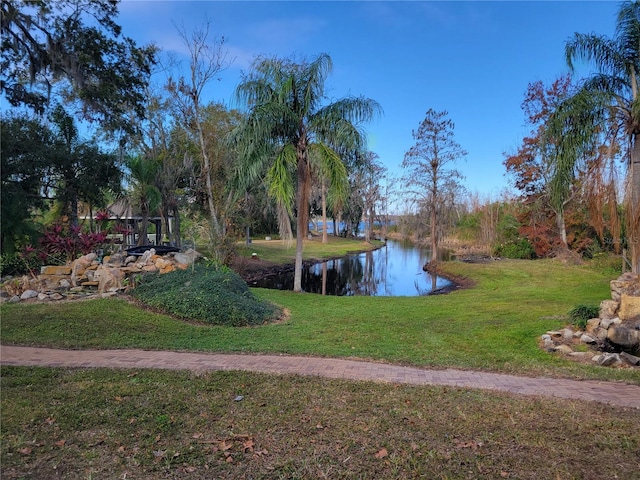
129 216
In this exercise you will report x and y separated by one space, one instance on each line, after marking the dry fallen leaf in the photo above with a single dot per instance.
60 443
382 453
25 451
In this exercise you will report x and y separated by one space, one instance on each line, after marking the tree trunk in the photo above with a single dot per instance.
434 234
324 214
142 233
634 207
218 234
562 228
301 222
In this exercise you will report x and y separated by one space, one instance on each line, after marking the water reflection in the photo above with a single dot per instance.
393 270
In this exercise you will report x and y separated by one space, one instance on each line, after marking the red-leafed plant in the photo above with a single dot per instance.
71 242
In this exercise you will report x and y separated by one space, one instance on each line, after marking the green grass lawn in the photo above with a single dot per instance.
493 326
100 423
282 253
147 424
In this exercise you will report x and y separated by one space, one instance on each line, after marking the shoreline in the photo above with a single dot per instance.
252 270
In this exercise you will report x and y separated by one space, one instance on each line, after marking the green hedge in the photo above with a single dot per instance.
214 295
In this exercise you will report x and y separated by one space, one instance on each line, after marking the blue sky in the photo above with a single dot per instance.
473 59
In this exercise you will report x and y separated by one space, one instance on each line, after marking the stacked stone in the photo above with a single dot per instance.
87 274
614 336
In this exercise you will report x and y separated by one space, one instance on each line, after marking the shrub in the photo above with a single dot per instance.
206 293
20 263
580 314
519 249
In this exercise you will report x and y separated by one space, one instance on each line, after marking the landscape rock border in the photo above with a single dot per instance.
87 277
611 339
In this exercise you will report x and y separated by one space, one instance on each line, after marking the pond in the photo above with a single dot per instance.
394 270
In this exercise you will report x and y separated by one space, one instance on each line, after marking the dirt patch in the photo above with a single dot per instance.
459 282
253 269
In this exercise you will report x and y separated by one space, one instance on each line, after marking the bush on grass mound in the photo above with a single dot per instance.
214 295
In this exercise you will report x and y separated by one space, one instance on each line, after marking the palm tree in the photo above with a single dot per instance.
144 172
290 133
608 103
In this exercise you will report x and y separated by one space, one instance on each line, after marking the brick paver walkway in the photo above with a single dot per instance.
617 394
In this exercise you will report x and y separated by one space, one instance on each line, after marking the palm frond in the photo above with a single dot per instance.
280 176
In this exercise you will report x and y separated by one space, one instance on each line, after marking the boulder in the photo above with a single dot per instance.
79 266
27 294
629 308
146 256
608 359
566 349
117 259
110 278
608 308
592 325
59 270
186 258
623 336
162 263
630 359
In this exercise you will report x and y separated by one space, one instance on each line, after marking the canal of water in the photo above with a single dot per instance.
393 270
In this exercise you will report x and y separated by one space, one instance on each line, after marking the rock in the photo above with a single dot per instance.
64 283
56 296
27 294
592 325
110 278
168 269
607 359
162 263
582 355
586 338
146 256
79 266
626 284
566 349
630 359
130 259
608 308
58 270
43 296
547 343
76 289
186 258
555 333
567 334
150 268
600 333
117 260
14 299
606 322
624 336
629 308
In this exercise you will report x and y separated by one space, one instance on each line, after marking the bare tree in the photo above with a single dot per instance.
426 164
207 59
